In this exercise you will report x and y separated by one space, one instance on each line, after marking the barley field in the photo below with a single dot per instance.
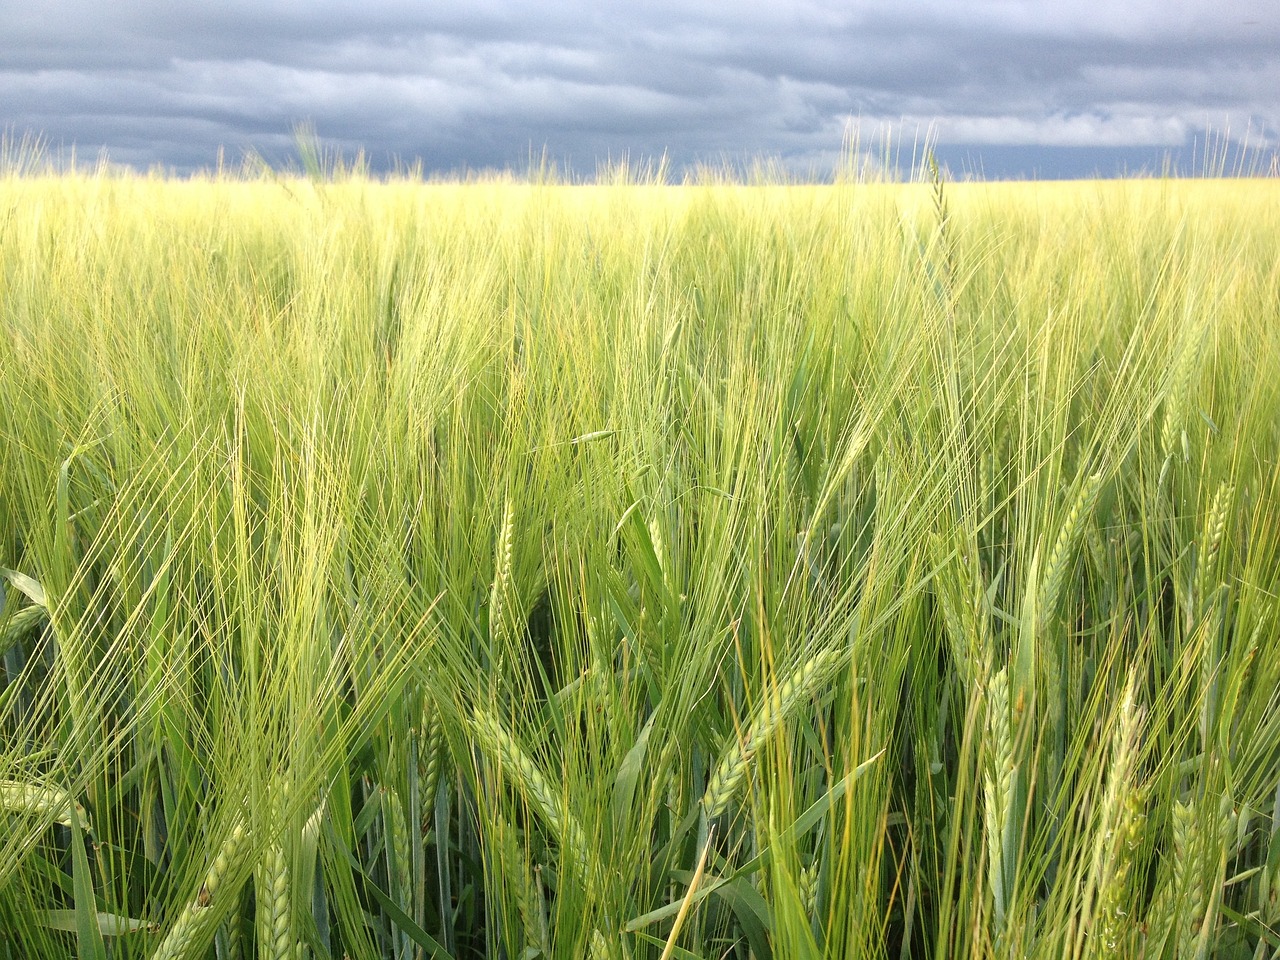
518 570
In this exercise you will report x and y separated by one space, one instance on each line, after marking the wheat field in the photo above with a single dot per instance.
517 570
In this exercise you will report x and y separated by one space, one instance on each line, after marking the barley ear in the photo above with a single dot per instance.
1177 399
1215 526
732 768
1119 833
520 770
190 932
399 848
500 594
271 887
20 623
600 948
234 939
1188 882
35 800
808 888
431 756
509 870
998 785
1064 547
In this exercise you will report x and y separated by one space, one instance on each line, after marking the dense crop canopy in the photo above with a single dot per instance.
503 570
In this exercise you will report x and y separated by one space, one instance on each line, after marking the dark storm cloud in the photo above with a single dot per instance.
489 84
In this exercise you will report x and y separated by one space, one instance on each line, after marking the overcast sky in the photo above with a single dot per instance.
1010 88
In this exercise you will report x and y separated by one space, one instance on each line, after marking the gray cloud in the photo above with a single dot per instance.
488 84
